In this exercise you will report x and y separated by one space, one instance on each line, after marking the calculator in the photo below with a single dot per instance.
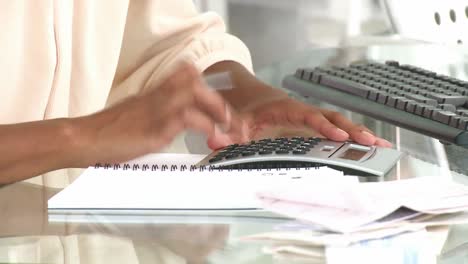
300 152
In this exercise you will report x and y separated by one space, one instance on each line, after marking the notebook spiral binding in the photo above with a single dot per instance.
147 167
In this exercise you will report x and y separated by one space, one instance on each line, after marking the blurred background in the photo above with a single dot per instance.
276 29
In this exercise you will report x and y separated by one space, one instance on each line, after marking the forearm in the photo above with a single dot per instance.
30 149
248 90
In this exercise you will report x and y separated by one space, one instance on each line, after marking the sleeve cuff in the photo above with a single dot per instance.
211 49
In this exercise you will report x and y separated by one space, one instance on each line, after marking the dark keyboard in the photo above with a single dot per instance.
404 95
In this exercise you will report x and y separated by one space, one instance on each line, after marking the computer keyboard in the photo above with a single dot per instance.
404 95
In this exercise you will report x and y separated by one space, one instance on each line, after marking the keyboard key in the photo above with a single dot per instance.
437 96
463 112
401 103
448 99
422 99
463 123
373 95
345 86
448 107
392 100
411 106
419 110
427 113
299 73
308 74
382 97
454 121
443 116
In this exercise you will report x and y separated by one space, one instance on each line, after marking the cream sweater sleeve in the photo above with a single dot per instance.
161 33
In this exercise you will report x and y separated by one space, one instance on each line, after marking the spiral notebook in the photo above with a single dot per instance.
172 182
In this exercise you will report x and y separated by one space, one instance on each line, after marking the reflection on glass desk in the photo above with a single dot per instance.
29 235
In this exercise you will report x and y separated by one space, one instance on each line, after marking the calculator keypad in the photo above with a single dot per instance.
263 147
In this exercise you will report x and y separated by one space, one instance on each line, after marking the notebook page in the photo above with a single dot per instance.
100 188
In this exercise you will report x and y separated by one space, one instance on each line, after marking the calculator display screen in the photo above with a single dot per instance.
353 154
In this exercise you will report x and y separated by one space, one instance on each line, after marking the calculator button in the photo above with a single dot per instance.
248 153
215 159
232 156
327 148
282 151
265 152
297 139
220 155
299 152
303 148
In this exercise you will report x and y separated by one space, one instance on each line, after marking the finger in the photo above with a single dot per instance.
213 104
239 130
383 143
358 133
197 120
317 121
238 133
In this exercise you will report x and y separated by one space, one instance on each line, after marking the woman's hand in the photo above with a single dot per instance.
294 114
289 117
268 112
150 121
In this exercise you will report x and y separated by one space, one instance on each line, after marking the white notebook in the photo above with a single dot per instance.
169 182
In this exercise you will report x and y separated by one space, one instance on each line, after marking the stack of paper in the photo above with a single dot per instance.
349 206
347 213
415 247
391 218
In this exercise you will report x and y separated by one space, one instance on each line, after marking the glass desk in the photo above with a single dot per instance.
29 235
